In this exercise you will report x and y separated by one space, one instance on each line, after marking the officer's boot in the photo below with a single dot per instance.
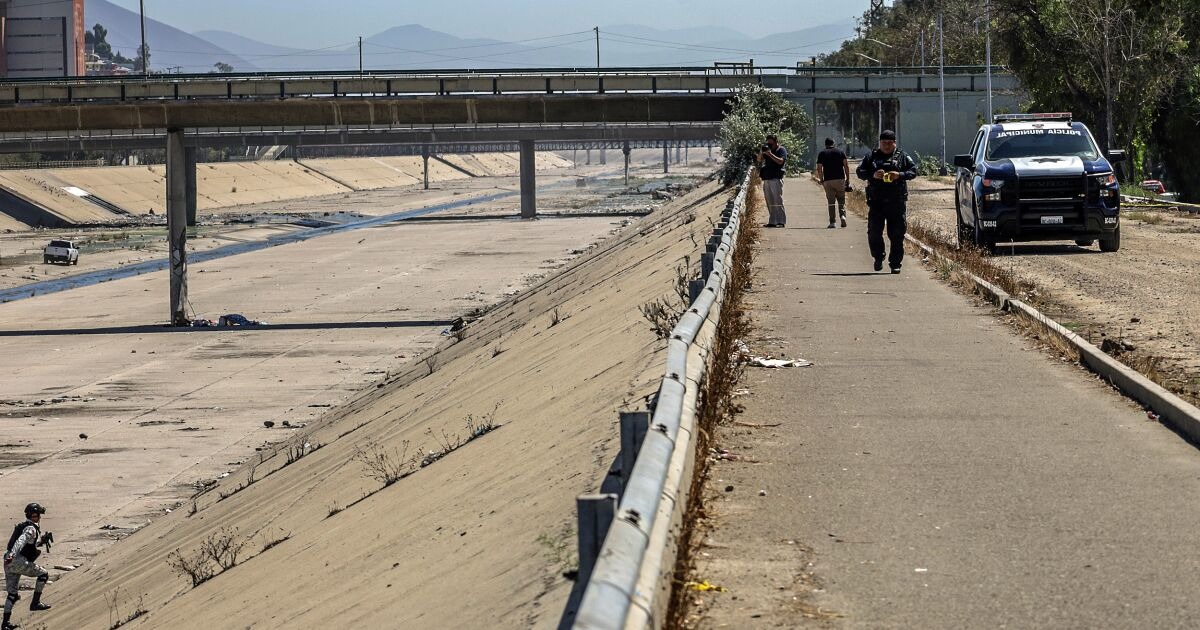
8 625
37 604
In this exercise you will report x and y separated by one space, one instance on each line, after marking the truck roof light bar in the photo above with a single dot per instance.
1063 116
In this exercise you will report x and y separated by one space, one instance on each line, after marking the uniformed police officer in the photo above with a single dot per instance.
887 171
20 560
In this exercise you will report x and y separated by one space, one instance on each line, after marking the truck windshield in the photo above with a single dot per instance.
1022 143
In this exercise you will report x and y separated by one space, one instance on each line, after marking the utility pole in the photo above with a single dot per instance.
922 51
942 89
142 12
360 66
597 29
987 19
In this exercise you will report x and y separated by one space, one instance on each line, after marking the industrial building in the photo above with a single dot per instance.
41 38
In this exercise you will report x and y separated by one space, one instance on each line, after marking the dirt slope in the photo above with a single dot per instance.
142 189
477 539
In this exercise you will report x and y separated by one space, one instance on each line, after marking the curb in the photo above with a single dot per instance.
1174 411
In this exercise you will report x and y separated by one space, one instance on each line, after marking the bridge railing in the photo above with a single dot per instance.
460 82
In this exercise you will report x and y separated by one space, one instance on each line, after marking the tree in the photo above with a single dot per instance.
906 33
754 112
1112 62
222 67
1178 122
97 38
137 63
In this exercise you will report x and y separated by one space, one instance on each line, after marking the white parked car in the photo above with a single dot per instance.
61 251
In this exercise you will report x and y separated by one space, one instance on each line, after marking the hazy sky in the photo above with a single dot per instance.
312 23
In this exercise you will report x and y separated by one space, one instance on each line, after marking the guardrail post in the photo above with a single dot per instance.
634 425
694 289
595 513
706 265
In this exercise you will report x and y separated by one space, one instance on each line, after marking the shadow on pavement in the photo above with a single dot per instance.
851 273
1040 249
162 328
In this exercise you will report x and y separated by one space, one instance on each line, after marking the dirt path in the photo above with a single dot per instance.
1146 295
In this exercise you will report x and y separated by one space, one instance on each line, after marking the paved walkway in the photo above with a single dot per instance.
933 469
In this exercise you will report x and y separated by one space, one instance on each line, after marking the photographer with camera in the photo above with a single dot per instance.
887 171
20 560
771 159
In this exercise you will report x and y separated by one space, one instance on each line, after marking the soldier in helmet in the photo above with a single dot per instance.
20 560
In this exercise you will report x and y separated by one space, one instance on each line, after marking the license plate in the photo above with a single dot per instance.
1052 220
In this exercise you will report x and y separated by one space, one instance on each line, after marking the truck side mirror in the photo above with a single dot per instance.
1116 155
965 160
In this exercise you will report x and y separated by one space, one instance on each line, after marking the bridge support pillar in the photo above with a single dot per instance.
589 157
177 224
666 158
189 164
625 150
710 151
603 155
425 164
528 180
678 154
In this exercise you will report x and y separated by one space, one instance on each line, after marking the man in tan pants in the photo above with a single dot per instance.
832 170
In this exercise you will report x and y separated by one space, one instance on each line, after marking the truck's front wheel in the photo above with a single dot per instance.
1111 243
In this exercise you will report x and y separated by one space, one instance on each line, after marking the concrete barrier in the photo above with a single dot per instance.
630 583
1171 409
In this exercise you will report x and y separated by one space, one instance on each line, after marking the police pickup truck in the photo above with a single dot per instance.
1037 177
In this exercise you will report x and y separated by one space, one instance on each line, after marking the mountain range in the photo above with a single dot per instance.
414 46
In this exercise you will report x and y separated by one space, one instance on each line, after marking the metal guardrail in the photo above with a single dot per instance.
628 583
14 166
805 69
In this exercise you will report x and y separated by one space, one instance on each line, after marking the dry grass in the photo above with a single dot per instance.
717 403
1149 218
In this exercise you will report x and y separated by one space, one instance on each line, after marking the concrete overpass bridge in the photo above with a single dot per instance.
613 105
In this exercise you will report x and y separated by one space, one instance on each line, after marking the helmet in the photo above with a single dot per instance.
34 508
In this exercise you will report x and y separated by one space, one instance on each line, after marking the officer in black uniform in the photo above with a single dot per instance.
20 560
887 171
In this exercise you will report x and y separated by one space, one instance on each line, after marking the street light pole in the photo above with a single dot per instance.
987 19
597 30
879 101
942 89
142 12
